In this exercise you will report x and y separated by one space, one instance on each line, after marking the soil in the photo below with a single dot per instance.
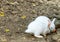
15 15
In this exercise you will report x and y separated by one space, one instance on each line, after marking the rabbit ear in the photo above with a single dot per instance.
53 20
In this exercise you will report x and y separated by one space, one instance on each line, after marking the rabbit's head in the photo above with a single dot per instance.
52 26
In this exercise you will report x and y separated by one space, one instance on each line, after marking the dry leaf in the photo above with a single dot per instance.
1 13
7 30
23 17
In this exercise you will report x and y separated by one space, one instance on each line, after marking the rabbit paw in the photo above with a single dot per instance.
38 36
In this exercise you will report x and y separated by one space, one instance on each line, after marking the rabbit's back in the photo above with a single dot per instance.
43 19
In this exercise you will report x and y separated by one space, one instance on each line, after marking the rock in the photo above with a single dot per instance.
12 41
58 31
57 16
3 38
33 11
51 2
57 22
58 40
14 12
22 0
56 36
33 4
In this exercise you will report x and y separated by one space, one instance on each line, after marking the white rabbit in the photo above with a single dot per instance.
46 20
41 25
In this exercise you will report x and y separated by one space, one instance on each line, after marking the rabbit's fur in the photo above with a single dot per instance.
40 26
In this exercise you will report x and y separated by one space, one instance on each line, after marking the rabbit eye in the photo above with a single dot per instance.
51 28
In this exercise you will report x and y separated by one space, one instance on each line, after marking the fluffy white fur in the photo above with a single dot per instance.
40 26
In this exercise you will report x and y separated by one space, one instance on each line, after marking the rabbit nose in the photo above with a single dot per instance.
55 30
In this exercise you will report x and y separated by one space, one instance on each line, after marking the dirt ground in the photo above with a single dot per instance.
15 15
